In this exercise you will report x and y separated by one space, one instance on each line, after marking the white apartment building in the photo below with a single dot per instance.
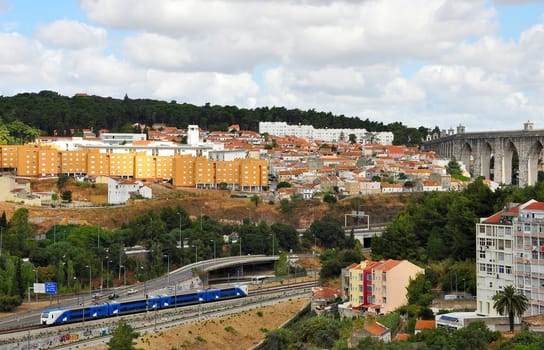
327 135
510 251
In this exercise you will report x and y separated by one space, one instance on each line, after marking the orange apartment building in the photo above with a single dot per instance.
33 160
245 174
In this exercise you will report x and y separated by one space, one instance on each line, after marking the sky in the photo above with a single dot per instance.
477 63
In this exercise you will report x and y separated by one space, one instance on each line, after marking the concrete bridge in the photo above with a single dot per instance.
506 157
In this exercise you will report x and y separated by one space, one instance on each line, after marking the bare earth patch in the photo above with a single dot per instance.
233 332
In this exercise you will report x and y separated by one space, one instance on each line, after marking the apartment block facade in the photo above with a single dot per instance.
185 170
381 285
510 251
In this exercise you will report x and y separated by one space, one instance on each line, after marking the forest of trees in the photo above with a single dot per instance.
50 112
69 251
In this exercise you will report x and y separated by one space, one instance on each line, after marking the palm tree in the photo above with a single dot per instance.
510 302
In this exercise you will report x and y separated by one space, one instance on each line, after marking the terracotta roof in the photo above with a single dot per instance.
326 293
496 218
425 324
387 265
376 329
535 206
402 336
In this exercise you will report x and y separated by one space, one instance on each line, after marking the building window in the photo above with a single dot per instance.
501 268
508 269
489 269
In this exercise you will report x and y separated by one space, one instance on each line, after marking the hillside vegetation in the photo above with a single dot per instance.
55 114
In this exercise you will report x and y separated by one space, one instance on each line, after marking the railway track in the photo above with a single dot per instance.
257 292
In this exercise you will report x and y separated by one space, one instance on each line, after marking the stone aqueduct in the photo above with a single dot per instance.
491 153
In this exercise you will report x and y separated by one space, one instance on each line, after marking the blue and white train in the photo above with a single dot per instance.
108 309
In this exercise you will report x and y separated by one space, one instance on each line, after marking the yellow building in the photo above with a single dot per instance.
73 162
228 172
163 167
48 162
98 164
27 160
183 171
122 164
205 173
253 174
9 156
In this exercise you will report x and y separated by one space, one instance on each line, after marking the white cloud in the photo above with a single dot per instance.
339 56
71 35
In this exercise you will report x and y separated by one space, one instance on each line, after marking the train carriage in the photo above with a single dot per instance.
108 309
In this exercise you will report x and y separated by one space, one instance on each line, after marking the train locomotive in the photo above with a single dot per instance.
108 309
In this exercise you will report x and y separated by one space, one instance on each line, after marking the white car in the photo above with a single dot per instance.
132 291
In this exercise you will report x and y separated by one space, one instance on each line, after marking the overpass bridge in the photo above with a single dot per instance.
364 234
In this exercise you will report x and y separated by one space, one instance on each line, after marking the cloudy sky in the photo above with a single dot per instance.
420 62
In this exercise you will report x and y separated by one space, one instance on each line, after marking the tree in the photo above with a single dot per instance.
419 291
67 196
453 168
329 198
283 184
123 337
509 301
329 232
352 138
256 200
286 235
61 181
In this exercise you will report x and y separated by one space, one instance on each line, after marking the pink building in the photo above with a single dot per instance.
381 285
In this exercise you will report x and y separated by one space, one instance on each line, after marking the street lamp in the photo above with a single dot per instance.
90 281
168 267
240 239
213 240
180 238
36 271
124 273
145 281
76 282
108 261
273 244
196 253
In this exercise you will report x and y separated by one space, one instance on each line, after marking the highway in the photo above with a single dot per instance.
175 279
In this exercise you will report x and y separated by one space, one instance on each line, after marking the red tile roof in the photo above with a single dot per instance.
376 329
326 293
425 324
535 206
402 336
